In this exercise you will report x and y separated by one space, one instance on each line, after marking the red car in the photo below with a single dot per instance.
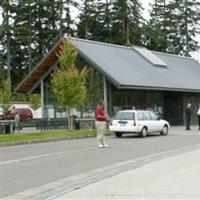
24 113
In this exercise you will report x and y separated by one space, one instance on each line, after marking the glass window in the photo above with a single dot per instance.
140 116
153 116
147 116
125 116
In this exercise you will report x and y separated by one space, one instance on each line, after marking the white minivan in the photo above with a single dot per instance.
141 122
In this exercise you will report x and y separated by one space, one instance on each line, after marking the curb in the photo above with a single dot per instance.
48 140
43 141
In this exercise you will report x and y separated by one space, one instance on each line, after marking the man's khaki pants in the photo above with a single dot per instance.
101 131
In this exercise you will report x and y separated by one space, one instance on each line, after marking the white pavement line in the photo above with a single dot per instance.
44 156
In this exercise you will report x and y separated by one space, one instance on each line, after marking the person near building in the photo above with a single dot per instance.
17 121
198 116
188 113
100 123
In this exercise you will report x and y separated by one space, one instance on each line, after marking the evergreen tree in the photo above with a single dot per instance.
22 51
158 28
173 26
103 18
36 29
44 29
127 22
38 25
32 27
95 20
2 70
33 31
5 38
185 20
66 23
87 24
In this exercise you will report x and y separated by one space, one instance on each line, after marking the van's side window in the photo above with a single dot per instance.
140 116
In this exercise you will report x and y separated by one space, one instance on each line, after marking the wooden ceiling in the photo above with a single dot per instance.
41 68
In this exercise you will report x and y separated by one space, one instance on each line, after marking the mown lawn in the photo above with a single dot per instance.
44 136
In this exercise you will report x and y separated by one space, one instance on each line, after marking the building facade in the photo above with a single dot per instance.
125 77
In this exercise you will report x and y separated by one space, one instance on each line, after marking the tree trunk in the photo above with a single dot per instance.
186 53
8 44
30 40
69 117
61 20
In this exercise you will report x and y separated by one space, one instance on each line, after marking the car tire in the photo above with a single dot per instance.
118 135
143 132
165 130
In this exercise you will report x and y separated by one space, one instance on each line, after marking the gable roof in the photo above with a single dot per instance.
127 67
41 70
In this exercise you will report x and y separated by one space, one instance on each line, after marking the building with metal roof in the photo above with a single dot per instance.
131 77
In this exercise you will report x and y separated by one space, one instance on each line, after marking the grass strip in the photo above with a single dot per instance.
47 135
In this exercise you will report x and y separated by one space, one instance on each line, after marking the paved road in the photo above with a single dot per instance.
172 178
27 166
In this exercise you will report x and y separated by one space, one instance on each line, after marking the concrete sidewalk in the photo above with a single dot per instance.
177 177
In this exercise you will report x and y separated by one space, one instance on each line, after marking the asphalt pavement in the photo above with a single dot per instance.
151 168
176 177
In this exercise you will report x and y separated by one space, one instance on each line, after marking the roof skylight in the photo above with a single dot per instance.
151 57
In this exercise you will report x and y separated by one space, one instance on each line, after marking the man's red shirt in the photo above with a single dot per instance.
100 113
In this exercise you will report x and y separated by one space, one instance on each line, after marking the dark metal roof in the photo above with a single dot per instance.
126 68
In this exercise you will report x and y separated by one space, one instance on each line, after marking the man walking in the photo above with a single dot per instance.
198 116
100 124
188 113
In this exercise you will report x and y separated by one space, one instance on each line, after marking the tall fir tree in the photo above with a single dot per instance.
158 28
66 24
127 22
103 18
87 23
22 53
35 27
34 30
173 26
95 20
185 20
6 39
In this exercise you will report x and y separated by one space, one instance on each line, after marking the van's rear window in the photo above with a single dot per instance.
124 116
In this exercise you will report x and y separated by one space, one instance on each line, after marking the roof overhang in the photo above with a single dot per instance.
42 69
125 87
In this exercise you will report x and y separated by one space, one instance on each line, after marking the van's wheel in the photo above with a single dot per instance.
143 132
165 130
118 135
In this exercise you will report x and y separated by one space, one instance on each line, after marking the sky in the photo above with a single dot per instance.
145 4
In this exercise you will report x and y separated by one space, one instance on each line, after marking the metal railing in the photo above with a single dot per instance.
44 124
